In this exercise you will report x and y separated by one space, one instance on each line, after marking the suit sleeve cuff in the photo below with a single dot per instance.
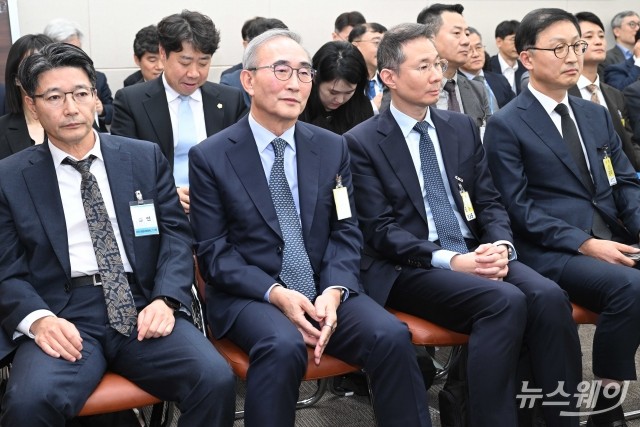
512 250
345 292
442 258
24 327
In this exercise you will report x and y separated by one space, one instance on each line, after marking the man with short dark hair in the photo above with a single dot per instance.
572 196
345 23
279 247
367 37
506 61
95 264
438 241
181 108
146 56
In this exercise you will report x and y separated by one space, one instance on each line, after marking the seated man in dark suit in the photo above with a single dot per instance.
506 62
95 264
624 26
622 74
572 196
438 242
146 56
181 108
496 86
279 248
632 98
590 87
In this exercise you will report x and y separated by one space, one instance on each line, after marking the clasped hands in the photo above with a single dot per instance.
58 337
487 260
296 307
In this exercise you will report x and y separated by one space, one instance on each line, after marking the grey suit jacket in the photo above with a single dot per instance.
474 100
619 116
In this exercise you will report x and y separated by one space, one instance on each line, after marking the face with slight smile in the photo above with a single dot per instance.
187 69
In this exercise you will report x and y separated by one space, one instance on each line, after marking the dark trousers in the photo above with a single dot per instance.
501 317
182 367
613 291
366 335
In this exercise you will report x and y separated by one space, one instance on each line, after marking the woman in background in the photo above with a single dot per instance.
19 129
338 100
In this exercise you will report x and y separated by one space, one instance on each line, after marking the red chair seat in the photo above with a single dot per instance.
425 333
116 393
582 316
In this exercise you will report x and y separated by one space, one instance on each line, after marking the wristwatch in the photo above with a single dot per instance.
171 303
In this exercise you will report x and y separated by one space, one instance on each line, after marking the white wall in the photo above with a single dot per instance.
110 25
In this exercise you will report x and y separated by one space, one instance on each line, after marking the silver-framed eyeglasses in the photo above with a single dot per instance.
284 72
440 64
56 98
562 50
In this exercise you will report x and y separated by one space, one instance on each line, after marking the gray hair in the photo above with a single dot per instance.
390 54
61 30
616 21
250 57
472 30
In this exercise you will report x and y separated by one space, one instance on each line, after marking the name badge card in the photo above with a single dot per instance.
143 216
608 168
341 199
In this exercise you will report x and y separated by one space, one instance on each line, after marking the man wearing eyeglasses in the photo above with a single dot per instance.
180 108
572 196
367 37
624 26
279 247
95 264
438 242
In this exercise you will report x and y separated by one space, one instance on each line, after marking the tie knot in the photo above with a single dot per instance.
279 145
479 78
184 98
562 110
450 86
592 88
81 166
422 128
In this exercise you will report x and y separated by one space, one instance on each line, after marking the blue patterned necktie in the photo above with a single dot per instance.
121 308
186 139
447 225
371 90
296 273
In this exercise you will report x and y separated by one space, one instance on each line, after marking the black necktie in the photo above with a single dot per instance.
572 139
121 308
452 102
296 272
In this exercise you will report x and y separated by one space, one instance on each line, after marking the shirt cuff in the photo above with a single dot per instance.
268 293
24 327
345 292
442 258
512 250
636 61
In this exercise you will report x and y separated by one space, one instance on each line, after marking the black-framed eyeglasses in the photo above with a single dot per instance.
56 98
562 50
284 72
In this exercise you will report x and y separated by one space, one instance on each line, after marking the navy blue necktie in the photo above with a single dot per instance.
447 225
121 308
371 90
296 273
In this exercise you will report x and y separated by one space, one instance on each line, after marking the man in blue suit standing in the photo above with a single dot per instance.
279 247
95 264
438 243
572 195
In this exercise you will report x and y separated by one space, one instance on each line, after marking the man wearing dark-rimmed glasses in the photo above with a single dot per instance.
279 247
573 197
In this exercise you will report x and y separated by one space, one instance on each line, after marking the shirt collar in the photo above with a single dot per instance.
548 103
584 82
627 52
504 64
445 80
406 122
469 75
172 94
264 137
58 155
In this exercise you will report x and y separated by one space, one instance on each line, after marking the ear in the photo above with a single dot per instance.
136 60
388 77
499 42
31 106
246 78
526 59
616 32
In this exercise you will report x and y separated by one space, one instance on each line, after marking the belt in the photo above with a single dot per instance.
94 280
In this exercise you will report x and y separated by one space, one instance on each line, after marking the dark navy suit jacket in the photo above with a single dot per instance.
550 208
34 255
495 67
500 87
622 74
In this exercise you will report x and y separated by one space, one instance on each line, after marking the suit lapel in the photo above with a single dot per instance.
245 160
584 120
157 110
448 139
42 184
120 174
213 108
534 115
308 163
394 148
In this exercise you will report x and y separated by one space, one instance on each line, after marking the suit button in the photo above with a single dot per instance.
398 268
595 203
279 250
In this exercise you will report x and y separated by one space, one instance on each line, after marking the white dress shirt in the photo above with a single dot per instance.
509 72
582 84
443 100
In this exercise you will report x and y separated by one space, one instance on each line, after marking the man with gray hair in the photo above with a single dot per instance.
279 247
65 31
624 26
